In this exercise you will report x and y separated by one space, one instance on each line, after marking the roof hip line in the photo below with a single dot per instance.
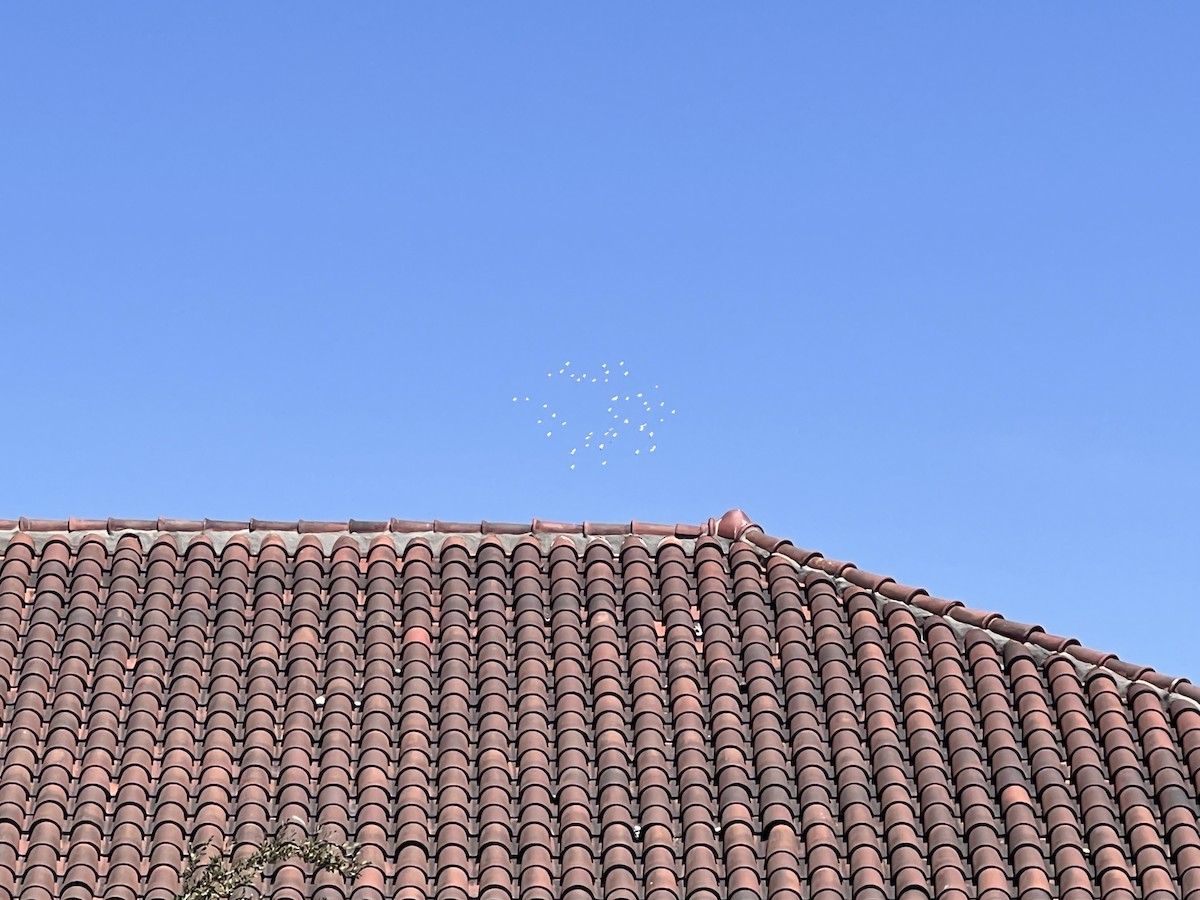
736 525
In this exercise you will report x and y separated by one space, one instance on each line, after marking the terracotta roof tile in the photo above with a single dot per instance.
555 710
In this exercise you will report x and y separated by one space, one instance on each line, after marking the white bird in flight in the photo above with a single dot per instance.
611 435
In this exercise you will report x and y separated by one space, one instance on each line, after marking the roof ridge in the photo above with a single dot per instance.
736 525
360 526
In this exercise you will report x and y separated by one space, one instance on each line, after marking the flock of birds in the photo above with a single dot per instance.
632 419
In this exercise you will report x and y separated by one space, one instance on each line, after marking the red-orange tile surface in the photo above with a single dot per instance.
555 710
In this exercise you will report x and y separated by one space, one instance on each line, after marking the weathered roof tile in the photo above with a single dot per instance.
556 710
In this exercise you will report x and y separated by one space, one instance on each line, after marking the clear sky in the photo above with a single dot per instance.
922 280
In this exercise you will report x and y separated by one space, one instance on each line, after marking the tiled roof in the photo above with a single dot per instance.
553 710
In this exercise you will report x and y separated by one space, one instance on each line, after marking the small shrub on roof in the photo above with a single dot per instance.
211 875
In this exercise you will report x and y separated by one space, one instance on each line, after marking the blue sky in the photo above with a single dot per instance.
921 279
